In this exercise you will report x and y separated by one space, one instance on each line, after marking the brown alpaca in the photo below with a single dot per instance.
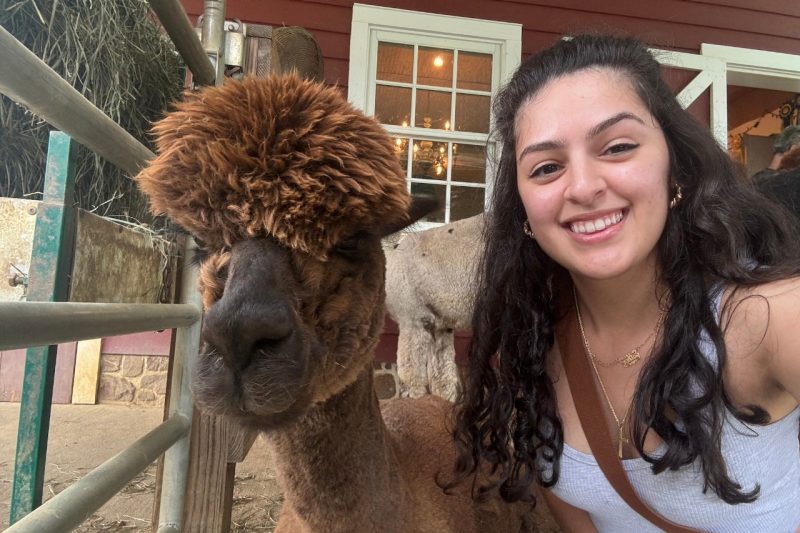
290 189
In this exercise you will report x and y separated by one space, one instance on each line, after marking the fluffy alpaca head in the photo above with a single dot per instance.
277 156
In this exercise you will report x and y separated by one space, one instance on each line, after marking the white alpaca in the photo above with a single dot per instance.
430 293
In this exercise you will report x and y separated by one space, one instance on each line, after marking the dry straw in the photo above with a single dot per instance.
113 53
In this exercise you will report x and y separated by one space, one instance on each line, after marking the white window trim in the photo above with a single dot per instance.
368 19
371 23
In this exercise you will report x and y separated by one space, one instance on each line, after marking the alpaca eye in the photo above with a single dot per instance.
351 246
200 252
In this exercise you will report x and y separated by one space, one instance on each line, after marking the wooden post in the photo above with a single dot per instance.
209 485
87 372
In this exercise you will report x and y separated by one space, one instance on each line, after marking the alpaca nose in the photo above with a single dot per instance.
254 315
239 329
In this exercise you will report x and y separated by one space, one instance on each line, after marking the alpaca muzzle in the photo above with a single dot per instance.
251 333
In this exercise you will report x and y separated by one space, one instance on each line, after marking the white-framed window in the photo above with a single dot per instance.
429 79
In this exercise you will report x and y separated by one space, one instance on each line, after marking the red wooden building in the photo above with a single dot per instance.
736 60
428 68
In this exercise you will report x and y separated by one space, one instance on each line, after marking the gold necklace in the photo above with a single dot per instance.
621 438
630 358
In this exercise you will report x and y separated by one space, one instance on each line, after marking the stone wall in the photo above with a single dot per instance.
142 379
133 379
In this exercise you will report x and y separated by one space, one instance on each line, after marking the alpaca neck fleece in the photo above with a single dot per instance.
338 468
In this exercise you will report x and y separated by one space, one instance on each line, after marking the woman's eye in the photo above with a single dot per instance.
545 170
621 148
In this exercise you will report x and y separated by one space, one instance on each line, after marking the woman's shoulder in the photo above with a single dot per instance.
761 314
761 325
760 304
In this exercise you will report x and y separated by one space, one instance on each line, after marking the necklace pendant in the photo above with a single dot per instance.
621 439
631 358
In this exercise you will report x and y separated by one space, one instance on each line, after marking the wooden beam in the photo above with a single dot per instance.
87 372
209 484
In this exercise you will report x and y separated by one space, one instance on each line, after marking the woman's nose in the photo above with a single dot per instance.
586 182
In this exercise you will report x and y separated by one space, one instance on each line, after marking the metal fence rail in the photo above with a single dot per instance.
71 321
73 505
174 19
28 80
176 459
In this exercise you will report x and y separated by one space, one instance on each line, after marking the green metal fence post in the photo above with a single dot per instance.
51 262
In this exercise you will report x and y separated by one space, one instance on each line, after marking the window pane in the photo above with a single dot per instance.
392 105
435 67
465 202
472 113
433 110
429 160
437 191
469 163
474 71
401 149
395 62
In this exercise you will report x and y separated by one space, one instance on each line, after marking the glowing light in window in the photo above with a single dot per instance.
438 61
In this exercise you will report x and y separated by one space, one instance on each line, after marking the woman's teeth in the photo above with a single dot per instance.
593 226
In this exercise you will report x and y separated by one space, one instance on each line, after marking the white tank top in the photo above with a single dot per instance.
765 455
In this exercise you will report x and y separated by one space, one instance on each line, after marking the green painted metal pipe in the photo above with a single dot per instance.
24 324
176 22
28 80
73 505
51 264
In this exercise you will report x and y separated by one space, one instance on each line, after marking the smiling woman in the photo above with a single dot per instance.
608 159
619 223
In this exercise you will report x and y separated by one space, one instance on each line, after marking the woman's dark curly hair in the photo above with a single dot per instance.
507 418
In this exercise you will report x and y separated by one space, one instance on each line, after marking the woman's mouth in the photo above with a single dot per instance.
587 227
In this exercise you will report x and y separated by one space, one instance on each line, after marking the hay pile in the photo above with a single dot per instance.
113 53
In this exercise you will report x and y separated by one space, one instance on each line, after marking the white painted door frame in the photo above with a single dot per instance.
711 73
719 66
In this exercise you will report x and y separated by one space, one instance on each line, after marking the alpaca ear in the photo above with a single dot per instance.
421 205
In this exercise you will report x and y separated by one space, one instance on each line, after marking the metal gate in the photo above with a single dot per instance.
46 319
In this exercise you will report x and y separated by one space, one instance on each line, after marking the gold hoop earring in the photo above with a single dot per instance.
676 199
526 229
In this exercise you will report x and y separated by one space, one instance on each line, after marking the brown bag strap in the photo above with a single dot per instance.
590 413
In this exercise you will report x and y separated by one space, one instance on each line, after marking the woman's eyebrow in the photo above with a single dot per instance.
607 123
595 131
541 147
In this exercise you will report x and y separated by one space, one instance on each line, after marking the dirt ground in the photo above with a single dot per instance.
83 436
